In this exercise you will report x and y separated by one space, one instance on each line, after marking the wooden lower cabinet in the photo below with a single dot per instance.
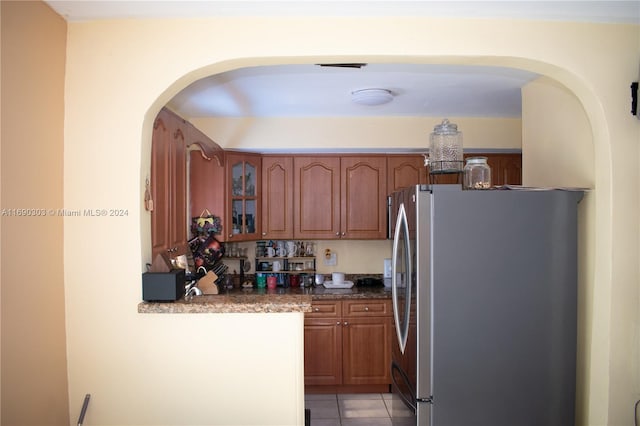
348 346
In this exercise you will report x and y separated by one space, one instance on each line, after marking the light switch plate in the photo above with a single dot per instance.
332 260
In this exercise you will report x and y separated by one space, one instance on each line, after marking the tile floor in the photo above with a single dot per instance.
365 409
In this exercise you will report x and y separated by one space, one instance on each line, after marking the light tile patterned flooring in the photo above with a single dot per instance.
365 409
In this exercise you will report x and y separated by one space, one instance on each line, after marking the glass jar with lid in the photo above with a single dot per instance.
477 173
445 149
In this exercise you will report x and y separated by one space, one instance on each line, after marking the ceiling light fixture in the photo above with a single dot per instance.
372 96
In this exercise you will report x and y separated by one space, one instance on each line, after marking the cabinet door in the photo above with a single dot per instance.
363 197
510 169
366 350
160 182
322 351
168 186
404 171
316 197
277 197
205 189
178 195
243 186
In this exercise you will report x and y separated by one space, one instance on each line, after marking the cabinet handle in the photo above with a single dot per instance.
338 323
316 309
338 234
344 233
346 323
366 309
264 234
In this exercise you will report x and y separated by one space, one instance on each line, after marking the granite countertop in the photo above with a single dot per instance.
262 300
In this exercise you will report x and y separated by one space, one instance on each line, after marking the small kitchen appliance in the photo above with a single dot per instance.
163 286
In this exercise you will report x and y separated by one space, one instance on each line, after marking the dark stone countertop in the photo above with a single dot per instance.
262 300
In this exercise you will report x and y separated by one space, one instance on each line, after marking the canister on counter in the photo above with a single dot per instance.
272 282
294 280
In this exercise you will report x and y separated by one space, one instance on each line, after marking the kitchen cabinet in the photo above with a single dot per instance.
168 185
348 346
243 196
205 188
506 168
404 171
316 197
277 197
363 197
340 197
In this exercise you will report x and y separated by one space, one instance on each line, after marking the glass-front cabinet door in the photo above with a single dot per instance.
243 176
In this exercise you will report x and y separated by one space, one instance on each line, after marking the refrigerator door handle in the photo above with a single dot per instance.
402 328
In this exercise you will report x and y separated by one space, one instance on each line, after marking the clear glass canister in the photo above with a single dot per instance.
477 173
445 148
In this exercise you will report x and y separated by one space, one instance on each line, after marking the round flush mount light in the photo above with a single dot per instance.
372 96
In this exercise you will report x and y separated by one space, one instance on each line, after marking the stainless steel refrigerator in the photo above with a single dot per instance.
484 287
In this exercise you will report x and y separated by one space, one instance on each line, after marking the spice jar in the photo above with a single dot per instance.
477 173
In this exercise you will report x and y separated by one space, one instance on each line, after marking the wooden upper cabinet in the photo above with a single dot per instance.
243 196
340 197
316 197
277 197
207 191
506 169
168 186
404 171
159 183
178 154
209 150
363 197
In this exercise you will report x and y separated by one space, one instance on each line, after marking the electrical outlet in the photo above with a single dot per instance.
330 260
387 268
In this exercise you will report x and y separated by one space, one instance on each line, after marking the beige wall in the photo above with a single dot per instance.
34 363
333 133
558 151
192 369
161 57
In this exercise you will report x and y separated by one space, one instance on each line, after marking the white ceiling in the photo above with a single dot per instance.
310 90
572 10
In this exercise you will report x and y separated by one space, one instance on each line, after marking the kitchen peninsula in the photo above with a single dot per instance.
347 332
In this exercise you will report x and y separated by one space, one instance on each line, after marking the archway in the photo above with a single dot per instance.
601 177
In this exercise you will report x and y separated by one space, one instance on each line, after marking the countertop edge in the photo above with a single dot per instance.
237 301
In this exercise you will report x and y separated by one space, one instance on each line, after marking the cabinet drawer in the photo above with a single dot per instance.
366 307
324 310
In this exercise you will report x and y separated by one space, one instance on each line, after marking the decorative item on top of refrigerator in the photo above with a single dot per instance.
477 173
445 148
